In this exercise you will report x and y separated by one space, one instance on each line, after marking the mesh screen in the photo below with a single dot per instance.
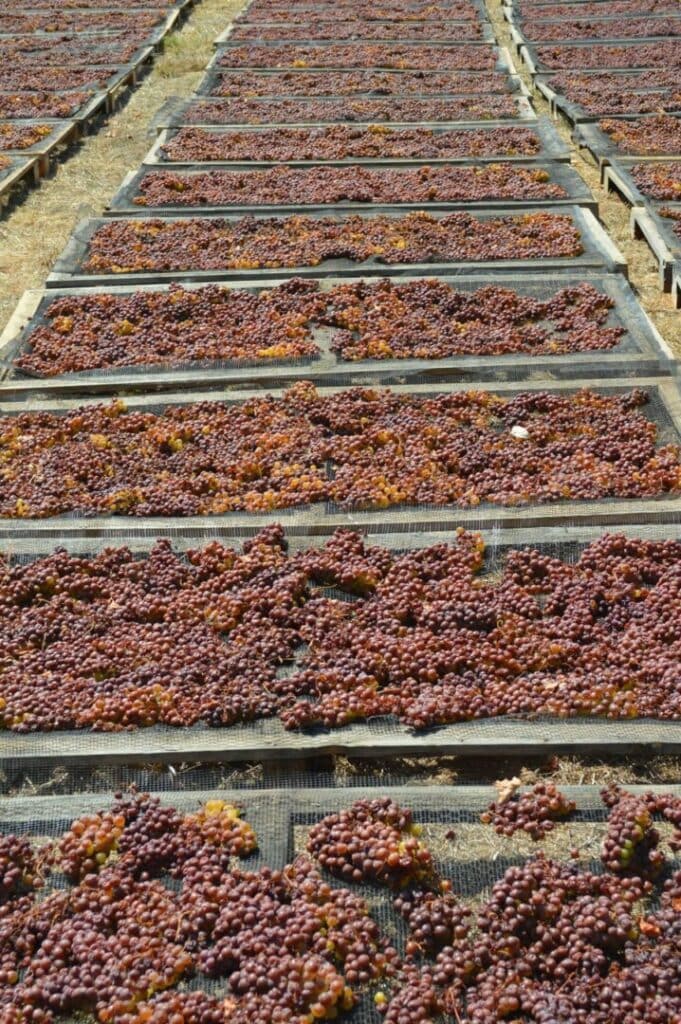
474 858
67 761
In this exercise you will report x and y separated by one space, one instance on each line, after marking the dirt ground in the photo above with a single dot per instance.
85 180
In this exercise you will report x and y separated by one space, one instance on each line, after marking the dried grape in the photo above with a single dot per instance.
182 325
604 92
343 142
125 246
278 84
551 942
125 643
663 54
631 843
21 77
659 135
374 840
18 136
422 319
326 185
358 55
658 180
602 28
430 320
58 21
311 110
630 8
360 448
39 104
348 29
73 48
534 812
416 10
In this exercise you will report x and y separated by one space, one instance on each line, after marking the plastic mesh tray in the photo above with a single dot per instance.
215 71
575 113
329 12
609 37
92 49
599 254
223 52
475 858
153 37
61 135
617 177
515 16
530 57
552 149
282 815
663 409
106 78
560 174
174 113
380 738
396 32
641 350
514 9
604 150
78 111
267 740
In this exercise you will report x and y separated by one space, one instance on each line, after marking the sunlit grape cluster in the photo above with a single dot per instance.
534 813
550 942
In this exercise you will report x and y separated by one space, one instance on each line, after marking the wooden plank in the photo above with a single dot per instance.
29 810
646 224
270 741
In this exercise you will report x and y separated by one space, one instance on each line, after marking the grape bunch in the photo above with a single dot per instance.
435 919
631 841
218 824
89 844
375 841
19 869
534 813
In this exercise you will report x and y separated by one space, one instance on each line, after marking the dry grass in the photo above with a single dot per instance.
35 233
343 771
564 771
614 213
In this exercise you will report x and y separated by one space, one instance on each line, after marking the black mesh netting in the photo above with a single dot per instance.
467 852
